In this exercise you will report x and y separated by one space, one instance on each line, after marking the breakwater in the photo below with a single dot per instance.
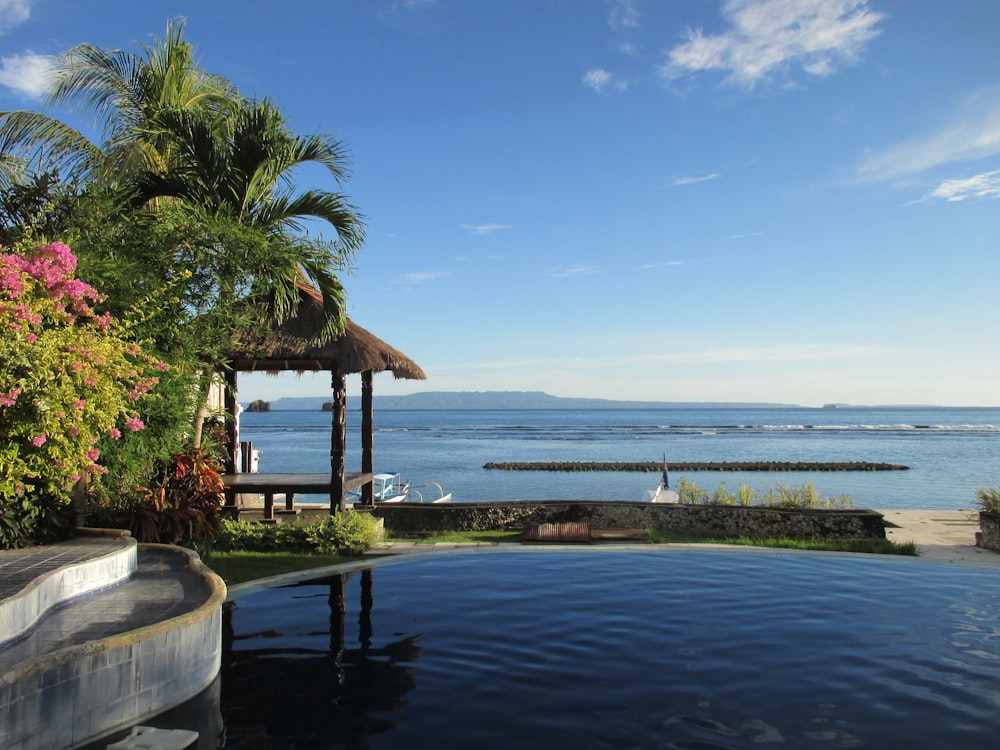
651 466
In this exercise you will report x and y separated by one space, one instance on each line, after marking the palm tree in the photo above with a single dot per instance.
124 92
243 173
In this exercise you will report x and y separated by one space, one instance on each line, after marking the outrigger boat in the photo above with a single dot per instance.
390 488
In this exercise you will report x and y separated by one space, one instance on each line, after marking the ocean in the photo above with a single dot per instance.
951 452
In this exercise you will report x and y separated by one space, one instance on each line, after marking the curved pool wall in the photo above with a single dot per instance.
641 647
20 612
78 694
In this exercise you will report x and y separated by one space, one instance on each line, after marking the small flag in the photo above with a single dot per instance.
665 479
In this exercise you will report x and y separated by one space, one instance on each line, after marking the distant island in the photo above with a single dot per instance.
501 400
259 405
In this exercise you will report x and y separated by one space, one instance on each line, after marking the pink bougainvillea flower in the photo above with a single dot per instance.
9 398
93 454
81 403
134 423
38 440
115 433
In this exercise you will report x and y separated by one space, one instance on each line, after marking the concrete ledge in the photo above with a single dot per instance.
20 612
418 519
90 690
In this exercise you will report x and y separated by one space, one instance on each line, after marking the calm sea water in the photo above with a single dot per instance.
691 650
951 452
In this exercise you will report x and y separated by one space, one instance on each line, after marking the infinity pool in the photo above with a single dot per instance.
593 648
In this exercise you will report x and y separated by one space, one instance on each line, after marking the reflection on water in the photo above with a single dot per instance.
308 688
598 649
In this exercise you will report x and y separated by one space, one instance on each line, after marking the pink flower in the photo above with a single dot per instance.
81 403
31 338
9 398
134 423
93 454
38 440
115 433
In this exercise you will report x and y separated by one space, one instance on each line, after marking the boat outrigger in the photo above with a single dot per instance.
391 488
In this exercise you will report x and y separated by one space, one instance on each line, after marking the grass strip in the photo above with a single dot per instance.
240 567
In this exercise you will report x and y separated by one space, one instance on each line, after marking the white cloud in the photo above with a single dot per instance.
693 180
421 277
573 271
624 15
478 230
664 264
772 35
985 185
13 13
973 134
601 80
26 74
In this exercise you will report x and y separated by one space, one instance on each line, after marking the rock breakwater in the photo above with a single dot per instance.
653 466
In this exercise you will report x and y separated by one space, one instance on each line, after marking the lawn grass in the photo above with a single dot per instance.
240 567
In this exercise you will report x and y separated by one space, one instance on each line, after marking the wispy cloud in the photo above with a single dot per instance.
478 230
13 13
27 74
769 36
985 185
573 271
973 134
624 14
693 180
664 264
810 353
421 277
601 80
746 235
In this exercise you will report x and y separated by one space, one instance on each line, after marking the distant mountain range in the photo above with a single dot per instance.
497 400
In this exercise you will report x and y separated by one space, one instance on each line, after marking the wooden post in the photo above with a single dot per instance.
232 433
338 440
367 436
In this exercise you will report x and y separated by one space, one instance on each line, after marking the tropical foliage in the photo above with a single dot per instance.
71 378
348 533
187 215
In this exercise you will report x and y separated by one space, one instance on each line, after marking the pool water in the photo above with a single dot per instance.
592 648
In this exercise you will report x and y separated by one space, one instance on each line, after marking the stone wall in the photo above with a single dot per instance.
988 536
416 519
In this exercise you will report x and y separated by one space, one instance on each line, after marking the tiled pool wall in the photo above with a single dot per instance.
78 694
19 613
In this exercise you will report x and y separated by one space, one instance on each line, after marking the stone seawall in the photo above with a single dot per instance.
416 519
988 536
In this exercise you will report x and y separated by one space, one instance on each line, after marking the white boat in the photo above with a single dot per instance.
662 493
390 488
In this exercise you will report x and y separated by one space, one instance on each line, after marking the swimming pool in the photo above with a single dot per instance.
592 648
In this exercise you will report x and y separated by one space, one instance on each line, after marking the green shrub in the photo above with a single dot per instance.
350 533
989 500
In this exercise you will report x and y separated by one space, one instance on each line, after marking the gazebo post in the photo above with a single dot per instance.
232 435
367 436
338 441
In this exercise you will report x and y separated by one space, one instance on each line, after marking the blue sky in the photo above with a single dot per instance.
791 201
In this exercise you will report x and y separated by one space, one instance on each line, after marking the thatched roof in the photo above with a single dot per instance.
289 347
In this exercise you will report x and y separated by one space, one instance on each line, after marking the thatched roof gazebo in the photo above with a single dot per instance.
289 347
